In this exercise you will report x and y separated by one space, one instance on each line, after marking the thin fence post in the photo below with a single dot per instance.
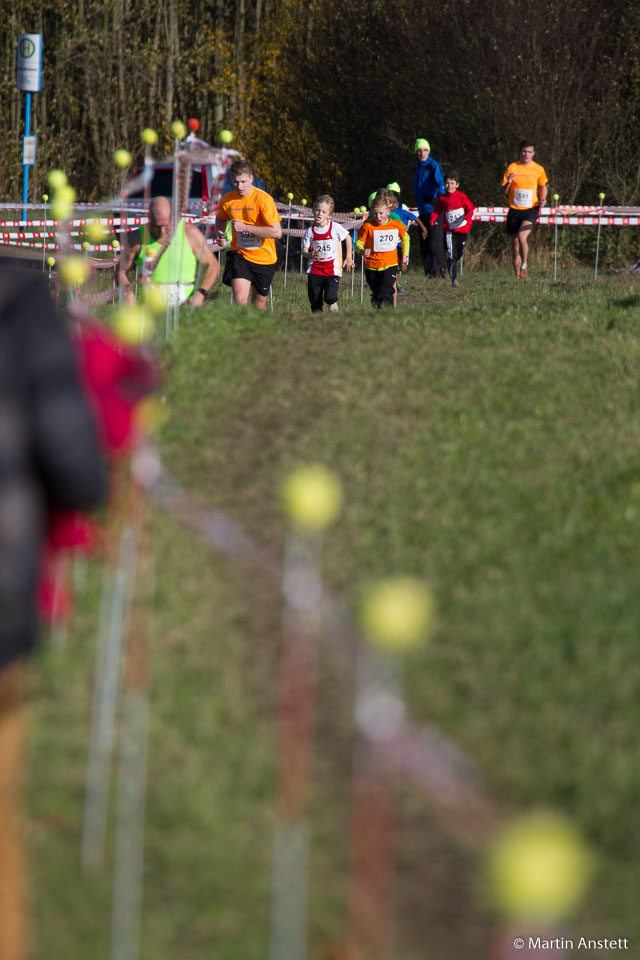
595 272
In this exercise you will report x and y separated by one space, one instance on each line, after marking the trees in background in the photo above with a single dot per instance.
325 97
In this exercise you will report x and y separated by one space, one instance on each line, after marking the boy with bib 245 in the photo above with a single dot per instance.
322 244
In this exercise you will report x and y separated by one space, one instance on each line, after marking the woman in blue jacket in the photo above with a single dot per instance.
428 184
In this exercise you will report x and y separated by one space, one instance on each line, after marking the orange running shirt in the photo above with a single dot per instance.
523 190
382 239
257 208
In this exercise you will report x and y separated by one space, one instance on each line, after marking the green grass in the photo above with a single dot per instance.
488 441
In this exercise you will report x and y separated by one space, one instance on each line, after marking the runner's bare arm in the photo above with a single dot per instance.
221 226
200 247
273 231
128 253
348 260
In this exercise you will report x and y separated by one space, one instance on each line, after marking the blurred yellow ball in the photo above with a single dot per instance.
95 231
149 136
51 261
312 497
539 868
61 209
122 158
304 201
133 324
45 197
397 613
225 136
155 298
86 245
73 270
150 414
602 196
289 196
66 192
115 244
56 179
178 130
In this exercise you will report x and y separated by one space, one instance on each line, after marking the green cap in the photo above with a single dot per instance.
422 143
395 186
371 198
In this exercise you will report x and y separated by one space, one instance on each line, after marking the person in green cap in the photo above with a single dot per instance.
428 184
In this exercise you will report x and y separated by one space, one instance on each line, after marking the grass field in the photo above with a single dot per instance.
488 440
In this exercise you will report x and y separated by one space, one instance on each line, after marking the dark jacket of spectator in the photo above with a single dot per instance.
50 456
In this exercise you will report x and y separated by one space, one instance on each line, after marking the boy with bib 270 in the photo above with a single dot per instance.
377 241
322 244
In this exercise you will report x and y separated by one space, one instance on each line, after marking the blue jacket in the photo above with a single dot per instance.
405 215
428 184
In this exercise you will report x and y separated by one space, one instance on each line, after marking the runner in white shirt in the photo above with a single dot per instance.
322 245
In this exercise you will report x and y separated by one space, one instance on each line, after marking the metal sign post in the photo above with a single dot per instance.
29 79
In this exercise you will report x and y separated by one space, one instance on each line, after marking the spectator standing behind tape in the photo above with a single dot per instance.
428 185
49 459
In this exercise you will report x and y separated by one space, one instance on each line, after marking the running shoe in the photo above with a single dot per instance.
334 307
523 273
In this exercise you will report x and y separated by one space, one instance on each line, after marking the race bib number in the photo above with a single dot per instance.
175 293
522 198
324 249
385 240
245 240
456 218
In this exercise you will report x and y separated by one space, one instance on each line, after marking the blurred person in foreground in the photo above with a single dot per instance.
50 461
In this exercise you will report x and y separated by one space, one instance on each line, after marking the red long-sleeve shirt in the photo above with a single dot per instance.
457 209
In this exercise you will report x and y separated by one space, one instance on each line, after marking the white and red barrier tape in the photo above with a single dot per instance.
31 234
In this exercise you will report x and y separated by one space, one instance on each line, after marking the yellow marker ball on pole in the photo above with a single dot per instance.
602 196
538 868
149 136
122 158
115 244
86 246
289 196
304 201
51 261
57 179
133 324
45 197
225 136
73 270
178 130
312 497
397 613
